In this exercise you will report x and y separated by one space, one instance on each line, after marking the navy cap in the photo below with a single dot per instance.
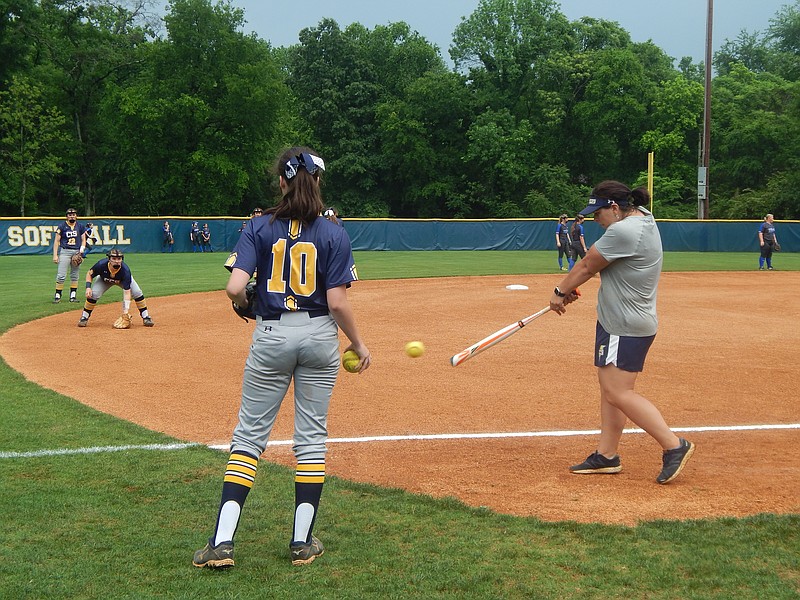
594 204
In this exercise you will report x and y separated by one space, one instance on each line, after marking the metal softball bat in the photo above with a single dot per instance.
495 338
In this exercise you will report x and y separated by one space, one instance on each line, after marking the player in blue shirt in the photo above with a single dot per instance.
70 239
578 247
107 273
767 240
563 242
304 265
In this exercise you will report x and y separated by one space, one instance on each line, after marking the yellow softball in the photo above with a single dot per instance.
350 361
415 349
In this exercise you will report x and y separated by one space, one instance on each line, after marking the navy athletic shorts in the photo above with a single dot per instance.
624 352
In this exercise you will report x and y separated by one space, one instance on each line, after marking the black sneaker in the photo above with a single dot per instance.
73 299
675 460
218 557
304 554
83 322
596 463
148 322
56 299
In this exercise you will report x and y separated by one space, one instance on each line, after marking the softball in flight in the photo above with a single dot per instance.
415 349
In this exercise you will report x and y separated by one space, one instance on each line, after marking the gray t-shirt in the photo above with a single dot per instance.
626 302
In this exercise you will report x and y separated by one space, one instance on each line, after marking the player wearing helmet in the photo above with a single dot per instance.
105 274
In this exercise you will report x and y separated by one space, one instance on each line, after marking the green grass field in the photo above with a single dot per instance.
124 524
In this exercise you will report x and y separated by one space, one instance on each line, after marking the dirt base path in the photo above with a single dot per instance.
724 356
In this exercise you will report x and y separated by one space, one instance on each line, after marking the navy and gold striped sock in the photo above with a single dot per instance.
141 304
308 481
88 307
240 474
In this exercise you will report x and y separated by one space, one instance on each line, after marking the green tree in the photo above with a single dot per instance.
755 130
81 48
28 132
501 47
16 17
748 49
675 120
341 79
783 36
422 142
203 120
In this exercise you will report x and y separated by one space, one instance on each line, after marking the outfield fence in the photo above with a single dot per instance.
34 235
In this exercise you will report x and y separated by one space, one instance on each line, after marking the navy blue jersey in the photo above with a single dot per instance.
562 229
577 233
296 264
71 235
120 277
768 231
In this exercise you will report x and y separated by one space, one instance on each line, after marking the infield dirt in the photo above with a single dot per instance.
724 356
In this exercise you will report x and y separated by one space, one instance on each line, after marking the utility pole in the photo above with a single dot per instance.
702 172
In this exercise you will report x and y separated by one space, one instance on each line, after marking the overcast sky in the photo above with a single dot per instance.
676 26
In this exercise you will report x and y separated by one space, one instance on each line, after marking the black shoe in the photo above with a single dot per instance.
596 463
675 460
148 322
73 299
56 299
304 554
83 322
217 557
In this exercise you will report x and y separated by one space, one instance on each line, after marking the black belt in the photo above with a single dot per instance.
311 313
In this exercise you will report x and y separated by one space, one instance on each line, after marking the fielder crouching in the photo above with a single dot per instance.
101 277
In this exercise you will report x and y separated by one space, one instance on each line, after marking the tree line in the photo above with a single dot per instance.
109 107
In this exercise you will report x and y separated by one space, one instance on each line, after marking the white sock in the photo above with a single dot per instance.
303 516
228 520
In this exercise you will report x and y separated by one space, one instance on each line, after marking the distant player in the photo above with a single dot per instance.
167 238
105 274
69 241
578 247
194 236
205 238
333 216
563 241
768 241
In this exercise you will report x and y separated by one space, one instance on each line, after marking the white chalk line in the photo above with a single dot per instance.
389 438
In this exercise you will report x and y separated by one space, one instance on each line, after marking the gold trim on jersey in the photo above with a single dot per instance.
295 228
230 261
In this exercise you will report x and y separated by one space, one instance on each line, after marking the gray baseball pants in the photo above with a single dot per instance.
294 347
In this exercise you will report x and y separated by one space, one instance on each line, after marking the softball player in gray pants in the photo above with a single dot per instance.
305 265
69 240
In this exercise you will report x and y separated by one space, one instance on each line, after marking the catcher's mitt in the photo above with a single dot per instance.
76 259
247 312
123 322
776 247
